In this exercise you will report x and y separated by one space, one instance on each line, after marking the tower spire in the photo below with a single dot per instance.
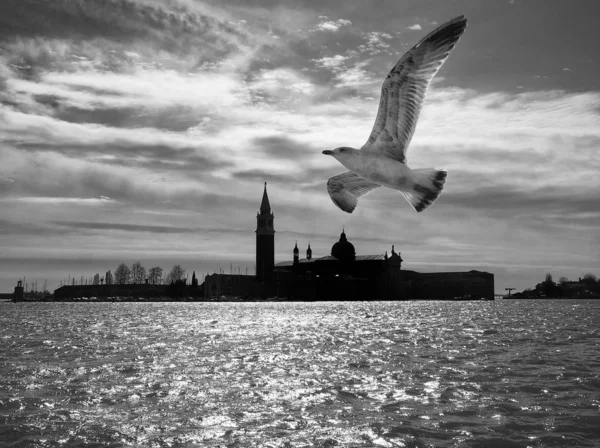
265 207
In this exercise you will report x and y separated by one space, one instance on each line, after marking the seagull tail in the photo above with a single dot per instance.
428 185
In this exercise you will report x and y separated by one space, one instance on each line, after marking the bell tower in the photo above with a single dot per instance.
296 254
265 240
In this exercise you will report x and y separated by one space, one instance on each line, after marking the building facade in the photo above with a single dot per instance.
471 285
341 275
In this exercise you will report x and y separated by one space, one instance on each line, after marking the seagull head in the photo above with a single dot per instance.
339 152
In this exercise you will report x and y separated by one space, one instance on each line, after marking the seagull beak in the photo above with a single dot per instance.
327 152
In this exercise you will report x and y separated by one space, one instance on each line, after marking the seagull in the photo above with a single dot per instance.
382 159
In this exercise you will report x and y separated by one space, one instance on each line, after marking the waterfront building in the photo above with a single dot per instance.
341 275
471 285
175 291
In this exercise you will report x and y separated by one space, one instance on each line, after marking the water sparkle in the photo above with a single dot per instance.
356 374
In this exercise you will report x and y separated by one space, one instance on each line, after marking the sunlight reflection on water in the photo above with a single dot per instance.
504 373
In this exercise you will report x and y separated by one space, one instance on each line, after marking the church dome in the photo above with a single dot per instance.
343 250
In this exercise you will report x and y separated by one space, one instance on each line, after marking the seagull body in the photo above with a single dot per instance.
382 159
376 168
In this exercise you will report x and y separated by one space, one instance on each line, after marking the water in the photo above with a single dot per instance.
415 374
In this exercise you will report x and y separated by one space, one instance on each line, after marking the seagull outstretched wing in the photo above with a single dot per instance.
404 89
345 189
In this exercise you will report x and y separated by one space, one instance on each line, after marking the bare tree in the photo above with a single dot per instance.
563 280
589 278
138 273
108 278
96 279
177 273
122 274
155 275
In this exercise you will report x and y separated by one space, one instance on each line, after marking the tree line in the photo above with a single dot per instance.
137 274
552 289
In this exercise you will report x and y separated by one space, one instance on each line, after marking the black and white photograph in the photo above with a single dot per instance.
299 224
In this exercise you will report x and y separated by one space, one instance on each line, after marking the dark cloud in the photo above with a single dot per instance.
520 159
131 154
65 182
309 178
190 166
263 176
114 19
506 202
283 147
176 119
124 227
28 229
7 184
110 35
146 228
94 183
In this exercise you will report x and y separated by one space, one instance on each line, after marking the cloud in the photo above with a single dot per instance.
282 147
124 227
332 62
62 200
355 77
375 42
124 36
93 90
102 144
415 27
54 179
332 25
277 84
10 227
115 20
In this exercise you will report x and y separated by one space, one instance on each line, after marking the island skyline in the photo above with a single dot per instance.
137 274
144 130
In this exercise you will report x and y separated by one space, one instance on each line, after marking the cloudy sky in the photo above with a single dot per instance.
145 129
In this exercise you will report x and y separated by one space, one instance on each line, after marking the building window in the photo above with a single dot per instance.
270 223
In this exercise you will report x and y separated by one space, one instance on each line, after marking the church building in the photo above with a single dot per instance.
339 275
342 275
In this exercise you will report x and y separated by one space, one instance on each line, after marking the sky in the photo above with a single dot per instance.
145 130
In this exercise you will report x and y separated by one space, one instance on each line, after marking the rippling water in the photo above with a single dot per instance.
360 374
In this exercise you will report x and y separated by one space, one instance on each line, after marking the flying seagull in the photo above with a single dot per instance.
382 159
